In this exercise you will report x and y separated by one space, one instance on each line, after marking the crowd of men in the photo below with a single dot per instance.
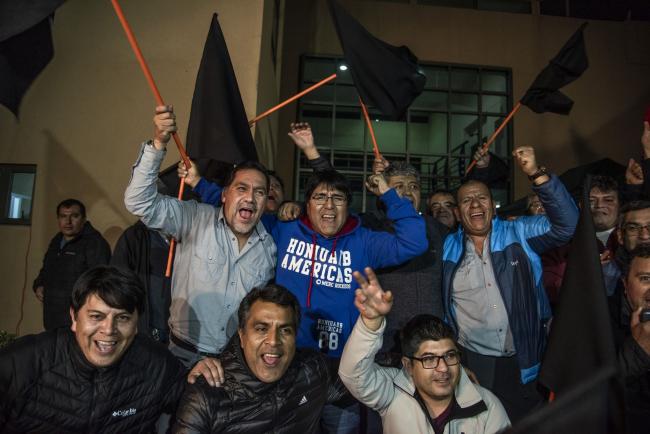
305 317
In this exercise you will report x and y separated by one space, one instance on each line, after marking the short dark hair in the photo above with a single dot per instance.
332 179
635 205
272 293
117 287
442 191
273 174
472 181
604 183
68 203
402 168
640 251
247 165
421 328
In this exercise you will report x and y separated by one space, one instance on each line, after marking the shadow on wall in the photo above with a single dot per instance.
67 177
621 134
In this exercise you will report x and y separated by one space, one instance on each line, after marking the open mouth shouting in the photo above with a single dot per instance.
271 360
246 213
105 347
477 216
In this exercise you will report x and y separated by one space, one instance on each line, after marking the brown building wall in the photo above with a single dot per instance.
83 119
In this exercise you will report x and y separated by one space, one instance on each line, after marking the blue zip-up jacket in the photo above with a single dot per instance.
515 248
318 270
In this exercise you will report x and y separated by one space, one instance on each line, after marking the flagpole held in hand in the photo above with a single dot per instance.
152 84
292 99
494 135
375 148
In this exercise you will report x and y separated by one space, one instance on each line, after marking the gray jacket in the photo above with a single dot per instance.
391 392
211 276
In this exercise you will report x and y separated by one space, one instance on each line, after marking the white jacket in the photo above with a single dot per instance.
391 391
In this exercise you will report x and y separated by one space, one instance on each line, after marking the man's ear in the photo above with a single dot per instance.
457 213
619 236
406 362
240 332
223 195
73 317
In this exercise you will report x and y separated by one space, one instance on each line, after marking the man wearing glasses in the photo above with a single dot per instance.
432 390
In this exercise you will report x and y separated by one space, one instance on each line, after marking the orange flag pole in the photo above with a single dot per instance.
292 99
152 84
375 148
494 135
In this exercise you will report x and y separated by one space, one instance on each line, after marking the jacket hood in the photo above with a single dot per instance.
351 224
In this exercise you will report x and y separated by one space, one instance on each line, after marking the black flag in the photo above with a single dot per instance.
569 64
581 344
218 134
218 127
583 409
25 46
386 77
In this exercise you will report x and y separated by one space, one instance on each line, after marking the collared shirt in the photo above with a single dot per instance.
211 275
603 236
480 312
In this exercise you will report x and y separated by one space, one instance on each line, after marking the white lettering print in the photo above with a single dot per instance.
330 269
328 333
124 413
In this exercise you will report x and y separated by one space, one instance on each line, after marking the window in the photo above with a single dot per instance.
460 107
514 6
613 10
16 193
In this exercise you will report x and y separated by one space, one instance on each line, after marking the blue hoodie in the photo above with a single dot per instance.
325 286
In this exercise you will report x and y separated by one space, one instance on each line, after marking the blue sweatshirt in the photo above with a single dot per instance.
318 270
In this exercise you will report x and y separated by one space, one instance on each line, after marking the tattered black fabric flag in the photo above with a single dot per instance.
218 134
581 344
583 409
386 77
25 46
218 127
569 64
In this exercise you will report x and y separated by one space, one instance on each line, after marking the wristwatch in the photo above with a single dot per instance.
541 171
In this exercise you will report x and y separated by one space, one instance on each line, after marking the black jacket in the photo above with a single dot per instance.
246 405
417 283
133 251
61 269
47 386
634 367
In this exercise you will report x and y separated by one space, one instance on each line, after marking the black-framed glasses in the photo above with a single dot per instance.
636 229
451 358
322 198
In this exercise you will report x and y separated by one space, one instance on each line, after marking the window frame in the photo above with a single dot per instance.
5 205
363 157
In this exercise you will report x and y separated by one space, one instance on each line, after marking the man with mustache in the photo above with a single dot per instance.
267 385
492 283
221 253
209 194
632 335
431 393
76 248
441 204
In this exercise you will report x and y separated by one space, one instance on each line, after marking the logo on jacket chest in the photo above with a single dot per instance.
125 412
328 269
